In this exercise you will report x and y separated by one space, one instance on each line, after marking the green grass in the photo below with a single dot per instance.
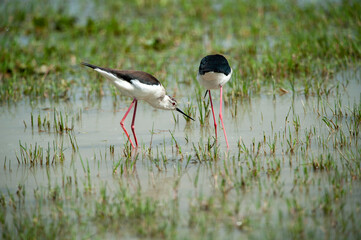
43 44
296 178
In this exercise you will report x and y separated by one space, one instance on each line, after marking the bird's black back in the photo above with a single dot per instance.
214 63
128 75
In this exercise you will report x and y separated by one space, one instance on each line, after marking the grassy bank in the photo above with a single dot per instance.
294 45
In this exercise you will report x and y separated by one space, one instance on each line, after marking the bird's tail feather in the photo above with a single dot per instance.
89 65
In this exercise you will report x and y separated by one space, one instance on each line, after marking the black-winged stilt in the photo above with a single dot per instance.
214 71
140 86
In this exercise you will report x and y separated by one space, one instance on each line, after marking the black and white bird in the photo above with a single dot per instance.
139 86
214 71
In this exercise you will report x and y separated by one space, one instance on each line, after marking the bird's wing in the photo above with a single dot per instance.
125 75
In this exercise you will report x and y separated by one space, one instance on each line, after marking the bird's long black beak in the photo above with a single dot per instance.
183 113
205 95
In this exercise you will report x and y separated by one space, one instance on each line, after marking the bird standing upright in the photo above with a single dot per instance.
214 71
140 86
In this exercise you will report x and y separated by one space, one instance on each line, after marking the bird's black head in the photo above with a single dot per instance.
214 63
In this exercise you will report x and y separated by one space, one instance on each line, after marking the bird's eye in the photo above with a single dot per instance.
173 103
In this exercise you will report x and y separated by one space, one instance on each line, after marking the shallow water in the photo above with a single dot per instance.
98 128
99 125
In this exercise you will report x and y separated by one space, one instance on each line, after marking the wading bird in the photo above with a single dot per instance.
140 86
214 71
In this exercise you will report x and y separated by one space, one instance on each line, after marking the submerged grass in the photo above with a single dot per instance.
57 122
37 155
254 191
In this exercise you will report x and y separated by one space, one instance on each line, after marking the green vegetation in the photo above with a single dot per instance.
297 46
293 174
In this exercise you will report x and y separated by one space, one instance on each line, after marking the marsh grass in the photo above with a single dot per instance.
58 123
294 178
248 193
268 51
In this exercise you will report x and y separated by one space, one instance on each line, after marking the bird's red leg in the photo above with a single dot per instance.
135 110
214 118
122 122
220 116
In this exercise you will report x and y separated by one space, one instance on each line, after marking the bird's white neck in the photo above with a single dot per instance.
164 103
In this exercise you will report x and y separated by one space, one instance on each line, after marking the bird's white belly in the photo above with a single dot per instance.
140 90
213 80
